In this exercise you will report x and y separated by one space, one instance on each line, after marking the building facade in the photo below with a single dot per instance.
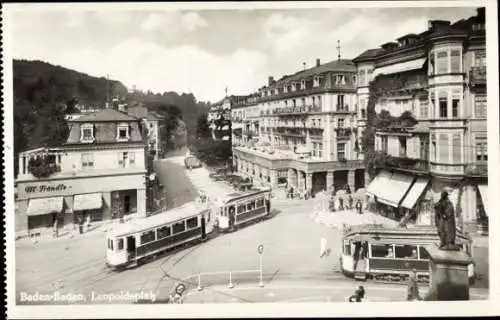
219 117
244 118
302 131
439 77
99 172
153 123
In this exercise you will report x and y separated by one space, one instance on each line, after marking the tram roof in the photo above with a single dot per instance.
237 195
410 234
185 211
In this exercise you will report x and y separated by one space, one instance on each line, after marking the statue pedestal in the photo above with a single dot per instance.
449 279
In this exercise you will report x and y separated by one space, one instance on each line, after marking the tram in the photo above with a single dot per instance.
140 240
239 208
389 254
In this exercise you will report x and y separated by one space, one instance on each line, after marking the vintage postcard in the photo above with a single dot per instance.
251 159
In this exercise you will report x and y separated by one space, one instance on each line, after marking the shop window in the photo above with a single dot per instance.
192 222
455 62
179 227
87 133
148 236
423 253
382 251
442 62
406 252
480 106
163 232
120 244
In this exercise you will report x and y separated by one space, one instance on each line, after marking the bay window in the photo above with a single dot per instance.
455 61
443 148
442 62
443 104
481 149
457 148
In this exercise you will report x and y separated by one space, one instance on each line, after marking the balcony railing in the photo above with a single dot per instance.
406 163
477 169
343 133
477 76
296 110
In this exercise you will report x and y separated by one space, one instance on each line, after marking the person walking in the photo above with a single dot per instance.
88 222
80 224
322 251
358 295
412 290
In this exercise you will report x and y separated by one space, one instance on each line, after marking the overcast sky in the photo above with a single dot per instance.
204 51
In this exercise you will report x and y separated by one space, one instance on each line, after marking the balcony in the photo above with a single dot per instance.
296 110
477 76
343 133
476 169
407 164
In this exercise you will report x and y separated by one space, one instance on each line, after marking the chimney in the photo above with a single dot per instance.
318 62
270 80
481 14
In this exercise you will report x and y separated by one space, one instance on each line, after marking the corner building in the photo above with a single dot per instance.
304 133
439 76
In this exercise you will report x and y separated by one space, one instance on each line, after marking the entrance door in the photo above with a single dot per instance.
126 203
203 231
131 246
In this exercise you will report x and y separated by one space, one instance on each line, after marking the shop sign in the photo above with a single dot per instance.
45 188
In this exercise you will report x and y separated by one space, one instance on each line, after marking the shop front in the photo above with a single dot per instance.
72 200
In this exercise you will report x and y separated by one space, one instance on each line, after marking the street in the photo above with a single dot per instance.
292 267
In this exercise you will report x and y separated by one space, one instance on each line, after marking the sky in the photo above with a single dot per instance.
204 51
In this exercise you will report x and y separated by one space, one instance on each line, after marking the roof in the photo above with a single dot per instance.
187 210
105 115
342 65
368 54
229 197
137 111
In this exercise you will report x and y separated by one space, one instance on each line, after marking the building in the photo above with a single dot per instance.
439 77
302 131
98 172
244 117
219 118
154 125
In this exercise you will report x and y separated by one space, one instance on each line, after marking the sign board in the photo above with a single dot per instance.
260 248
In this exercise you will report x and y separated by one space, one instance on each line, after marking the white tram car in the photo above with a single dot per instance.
135 242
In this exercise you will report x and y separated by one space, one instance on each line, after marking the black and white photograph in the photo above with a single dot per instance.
211 159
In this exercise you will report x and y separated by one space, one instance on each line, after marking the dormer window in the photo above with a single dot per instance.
285 89
340 79
87 133
294 88
302 84
276 91
122 132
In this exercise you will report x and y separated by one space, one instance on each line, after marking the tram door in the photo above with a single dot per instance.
203 229
131 246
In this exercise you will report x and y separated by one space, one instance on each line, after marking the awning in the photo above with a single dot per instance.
415 192
394 191
483 190
236 126
378 183
44 206
400 67
87 201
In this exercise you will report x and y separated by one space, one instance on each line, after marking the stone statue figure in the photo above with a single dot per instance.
445 223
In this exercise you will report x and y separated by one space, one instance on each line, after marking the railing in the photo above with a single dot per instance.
447 168
476 169
405 163
296 109
477 75
343 133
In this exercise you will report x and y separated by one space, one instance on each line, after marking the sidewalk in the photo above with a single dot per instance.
350 217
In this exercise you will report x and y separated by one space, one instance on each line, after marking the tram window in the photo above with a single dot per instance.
260 203
148 236
241 208
406 252
120 244
163 232
192 222
347 247
111 243
423 253
382 251
251 205
178 227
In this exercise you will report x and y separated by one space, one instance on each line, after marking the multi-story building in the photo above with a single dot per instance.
439 77
219 118
244 118
154 125
98 172
305 125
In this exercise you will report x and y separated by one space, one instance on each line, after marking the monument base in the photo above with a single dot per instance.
449 278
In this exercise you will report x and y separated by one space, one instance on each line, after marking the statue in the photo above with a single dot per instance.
445 223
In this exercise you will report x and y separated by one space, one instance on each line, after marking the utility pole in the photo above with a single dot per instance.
338 49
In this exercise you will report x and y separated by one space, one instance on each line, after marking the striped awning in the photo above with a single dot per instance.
394 191
89 201
400 67
415 192
41 206
378 183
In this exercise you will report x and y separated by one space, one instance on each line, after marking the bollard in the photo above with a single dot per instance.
230 284
261 283
199 282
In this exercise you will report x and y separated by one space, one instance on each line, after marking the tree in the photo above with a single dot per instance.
203 129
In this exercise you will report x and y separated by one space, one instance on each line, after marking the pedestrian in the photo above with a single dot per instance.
413 294
341 204
88 222
80 224
351 202
358 295
322 251
359 207
56 229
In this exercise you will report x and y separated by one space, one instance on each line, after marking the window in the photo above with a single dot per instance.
120 244
424 110
454 107
87 160
455 62
341 151
480 106
302 84
457 148
131 159
148 236
303 101
316 81
179 227
123 159
432 107
481 149
354 79
87 133
340 79
260 203
385 143
443 148
319 123
163 232
294 103
480 58
443 107
340 102
382 251
434 147
361 78
431 64
406 252
423 253
402 146
442 62
122 132
363 113
192 222
347 247
251 205
110 244
320 150
369 74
